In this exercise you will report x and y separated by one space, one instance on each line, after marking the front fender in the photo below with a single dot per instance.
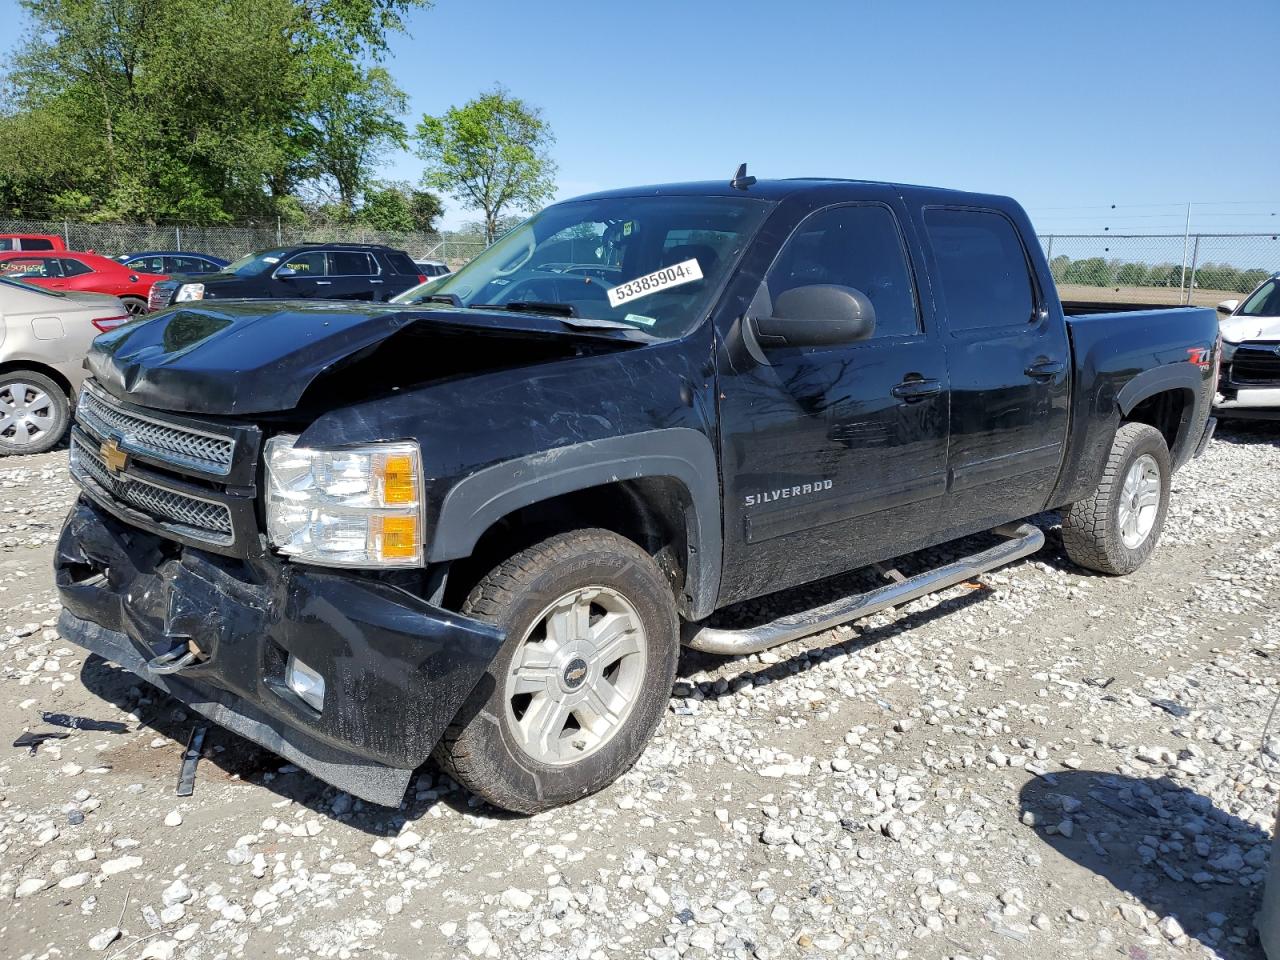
478 501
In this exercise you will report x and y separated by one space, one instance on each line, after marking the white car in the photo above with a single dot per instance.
1249 383
44 336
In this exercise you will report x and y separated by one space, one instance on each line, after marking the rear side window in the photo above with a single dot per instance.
351 263
401 263
73 268
852 246
36 243
982 268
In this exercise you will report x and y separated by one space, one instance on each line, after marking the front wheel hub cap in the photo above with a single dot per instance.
576 675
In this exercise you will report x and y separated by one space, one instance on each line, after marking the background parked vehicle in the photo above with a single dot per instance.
44 335
322 271
172 261
31 241
432 268
1249 383
84 272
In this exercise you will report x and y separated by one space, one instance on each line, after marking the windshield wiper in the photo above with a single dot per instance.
536 306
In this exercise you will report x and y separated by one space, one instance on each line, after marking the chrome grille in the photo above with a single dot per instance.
182 446
196 517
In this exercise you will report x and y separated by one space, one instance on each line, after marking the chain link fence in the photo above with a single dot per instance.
234 241
1198 268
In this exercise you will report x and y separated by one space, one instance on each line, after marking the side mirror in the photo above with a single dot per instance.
284 273
817 315
1228 306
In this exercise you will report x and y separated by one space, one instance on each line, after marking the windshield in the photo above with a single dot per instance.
255 263
1265 301
652 263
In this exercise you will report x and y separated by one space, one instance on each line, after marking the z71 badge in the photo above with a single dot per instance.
786 493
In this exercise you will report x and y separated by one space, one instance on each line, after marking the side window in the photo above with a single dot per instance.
73 268
185 265
31 267
148 265
36 243
350 263
852 246
309 263
982 268
401 263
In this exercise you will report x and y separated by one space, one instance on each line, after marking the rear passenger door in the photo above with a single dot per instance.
1009 363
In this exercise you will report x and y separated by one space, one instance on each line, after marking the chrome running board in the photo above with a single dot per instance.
1023 539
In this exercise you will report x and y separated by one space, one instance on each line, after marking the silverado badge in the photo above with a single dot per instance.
113 458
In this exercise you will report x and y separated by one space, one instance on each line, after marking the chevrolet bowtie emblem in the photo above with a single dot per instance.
113 458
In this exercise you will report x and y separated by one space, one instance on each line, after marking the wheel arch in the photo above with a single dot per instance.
1167 398
35 366
660 488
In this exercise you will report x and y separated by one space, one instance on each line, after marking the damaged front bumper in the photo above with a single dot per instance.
396 668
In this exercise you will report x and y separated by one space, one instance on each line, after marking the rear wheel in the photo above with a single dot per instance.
583 679
135 306
34 412
1117 528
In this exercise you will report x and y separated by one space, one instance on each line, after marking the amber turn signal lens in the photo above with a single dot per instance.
399 480
396 538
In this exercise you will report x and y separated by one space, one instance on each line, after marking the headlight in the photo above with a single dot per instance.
354 507
190 291
1228 350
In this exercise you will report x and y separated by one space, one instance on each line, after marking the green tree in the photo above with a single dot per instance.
491 154
202 110
396 206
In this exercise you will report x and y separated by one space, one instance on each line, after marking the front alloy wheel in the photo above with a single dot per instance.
575 693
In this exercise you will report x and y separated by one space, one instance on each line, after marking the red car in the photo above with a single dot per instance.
86 272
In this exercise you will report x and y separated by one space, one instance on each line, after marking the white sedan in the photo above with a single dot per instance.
44 336
1249 384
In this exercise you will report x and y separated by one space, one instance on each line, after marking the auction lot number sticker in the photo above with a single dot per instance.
686 271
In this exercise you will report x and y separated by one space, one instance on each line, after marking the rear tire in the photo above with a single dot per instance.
134 306
1118 527
34 412
584 677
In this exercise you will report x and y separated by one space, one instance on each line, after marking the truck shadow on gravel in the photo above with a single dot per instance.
1248 432
1166 845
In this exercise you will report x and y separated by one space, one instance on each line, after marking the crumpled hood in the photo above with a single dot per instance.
258 356
1239 329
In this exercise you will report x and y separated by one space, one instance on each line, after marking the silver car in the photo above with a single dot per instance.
44 335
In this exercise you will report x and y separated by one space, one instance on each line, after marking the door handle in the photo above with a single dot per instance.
323 283
1044 369
915 390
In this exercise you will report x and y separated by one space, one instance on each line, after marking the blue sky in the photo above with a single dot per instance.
1068 106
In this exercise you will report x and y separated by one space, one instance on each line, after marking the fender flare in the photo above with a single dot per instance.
478 501
1170 376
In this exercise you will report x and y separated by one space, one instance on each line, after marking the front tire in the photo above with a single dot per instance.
1117 528
34 412
584 677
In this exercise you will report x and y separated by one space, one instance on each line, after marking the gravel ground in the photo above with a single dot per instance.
1044 763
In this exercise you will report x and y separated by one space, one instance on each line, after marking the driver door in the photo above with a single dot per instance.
834 456
310 277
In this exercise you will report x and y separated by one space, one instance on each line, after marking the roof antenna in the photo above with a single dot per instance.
740 179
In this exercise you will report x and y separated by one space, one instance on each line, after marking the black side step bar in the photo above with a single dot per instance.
1022 539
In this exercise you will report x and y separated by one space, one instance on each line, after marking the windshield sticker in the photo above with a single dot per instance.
270 259
673 276
641 319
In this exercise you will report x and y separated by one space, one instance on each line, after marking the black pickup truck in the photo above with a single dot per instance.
480 521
